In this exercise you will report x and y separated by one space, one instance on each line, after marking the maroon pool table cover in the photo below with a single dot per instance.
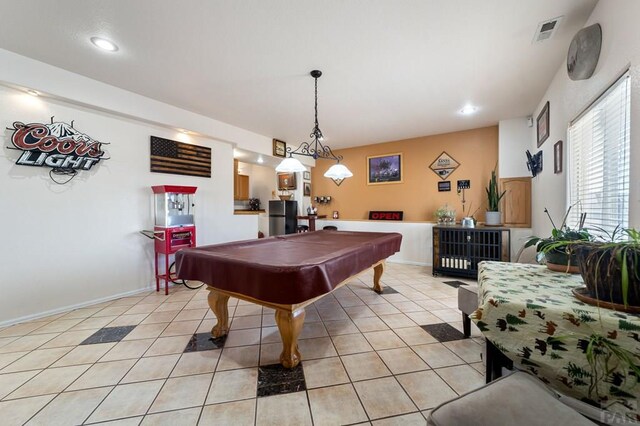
288 269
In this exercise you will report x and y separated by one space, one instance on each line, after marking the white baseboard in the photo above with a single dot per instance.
409 262
76 306
126 294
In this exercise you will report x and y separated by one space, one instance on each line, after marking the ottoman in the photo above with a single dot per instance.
517 399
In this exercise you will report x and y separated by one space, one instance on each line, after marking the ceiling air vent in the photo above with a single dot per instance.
546 29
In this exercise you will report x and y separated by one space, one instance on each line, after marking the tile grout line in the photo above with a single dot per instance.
32 378
125 374
333 308
393 374
345 368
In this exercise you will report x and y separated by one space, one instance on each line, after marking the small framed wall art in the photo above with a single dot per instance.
279 148
306 175
383 169
542 125
306 189
444 186
557 157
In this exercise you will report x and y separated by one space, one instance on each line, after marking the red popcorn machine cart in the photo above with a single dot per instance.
174 225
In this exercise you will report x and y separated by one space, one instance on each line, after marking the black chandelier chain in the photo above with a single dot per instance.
315 106
315 148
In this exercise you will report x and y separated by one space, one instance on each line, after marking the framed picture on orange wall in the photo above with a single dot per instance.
383 169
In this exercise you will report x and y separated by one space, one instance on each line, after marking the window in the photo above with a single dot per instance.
599 160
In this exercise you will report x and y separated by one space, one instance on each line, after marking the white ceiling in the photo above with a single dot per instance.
392 69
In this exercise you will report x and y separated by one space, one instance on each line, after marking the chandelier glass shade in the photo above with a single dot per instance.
338 173
290 165
315 149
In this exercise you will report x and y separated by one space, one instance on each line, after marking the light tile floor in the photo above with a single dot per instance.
366 360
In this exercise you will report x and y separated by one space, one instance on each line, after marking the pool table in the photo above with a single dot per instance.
285 273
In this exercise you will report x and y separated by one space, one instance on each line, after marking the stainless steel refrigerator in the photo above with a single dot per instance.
282 217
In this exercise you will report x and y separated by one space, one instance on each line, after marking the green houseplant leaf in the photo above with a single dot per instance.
555 249
493 196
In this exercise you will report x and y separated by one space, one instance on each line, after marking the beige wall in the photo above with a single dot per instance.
476 150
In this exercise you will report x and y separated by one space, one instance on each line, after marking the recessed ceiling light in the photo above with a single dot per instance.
468 109
260 160
104 44
33 92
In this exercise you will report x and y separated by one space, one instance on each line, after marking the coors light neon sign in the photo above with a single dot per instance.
57 145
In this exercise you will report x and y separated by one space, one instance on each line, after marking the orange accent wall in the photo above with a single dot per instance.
476 150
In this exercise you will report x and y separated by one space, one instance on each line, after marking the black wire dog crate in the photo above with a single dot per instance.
458 250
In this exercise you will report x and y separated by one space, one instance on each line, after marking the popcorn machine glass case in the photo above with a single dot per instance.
174 205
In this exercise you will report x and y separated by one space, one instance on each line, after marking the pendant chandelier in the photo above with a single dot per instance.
315 149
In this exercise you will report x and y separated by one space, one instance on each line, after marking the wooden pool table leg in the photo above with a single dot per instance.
218 304
377 274
290 325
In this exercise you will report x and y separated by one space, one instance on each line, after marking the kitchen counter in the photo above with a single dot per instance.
247 211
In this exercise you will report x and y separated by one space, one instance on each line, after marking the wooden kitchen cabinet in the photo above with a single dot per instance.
240 184
243 187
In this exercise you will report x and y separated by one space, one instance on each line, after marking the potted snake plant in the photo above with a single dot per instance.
492 215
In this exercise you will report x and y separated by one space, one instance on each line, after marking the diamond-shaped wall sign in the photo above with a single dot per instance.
444 165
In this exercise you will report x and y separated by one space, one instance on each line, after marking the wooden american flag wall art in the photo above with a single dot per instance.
179 158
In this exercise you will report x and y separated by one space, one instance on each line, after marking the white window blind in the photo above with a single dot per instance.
599 160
